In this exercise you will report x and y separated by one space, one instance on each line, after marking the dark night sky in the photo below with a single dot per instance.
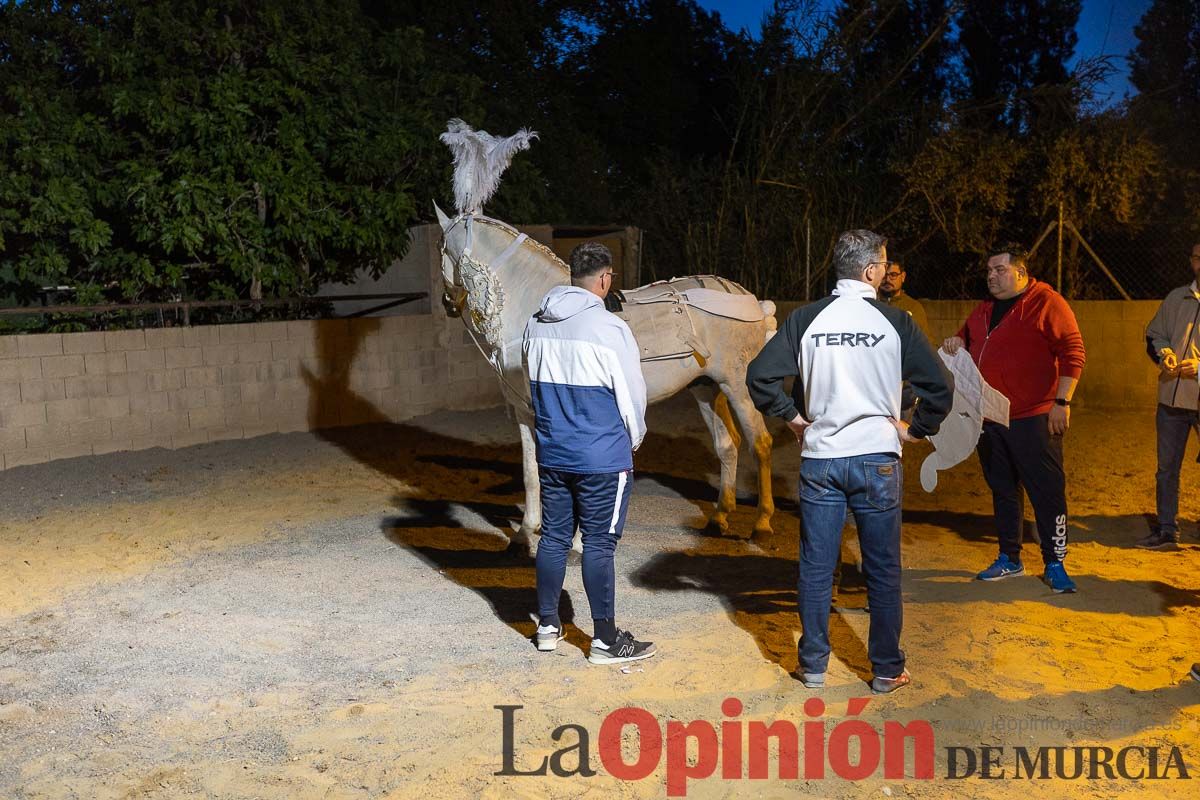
1105 27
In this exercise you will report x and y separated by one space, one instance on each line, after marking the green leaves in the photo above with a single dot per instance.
159 148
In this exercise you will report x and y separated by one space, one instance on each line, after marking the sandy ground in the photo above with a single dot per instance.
336 616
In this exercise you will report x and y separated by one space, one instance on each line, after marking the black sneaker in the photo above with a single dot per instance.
623 650
1159 540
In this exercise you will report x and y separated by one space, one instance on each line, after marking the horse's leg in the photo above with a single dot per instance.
531 523
754 427
715 411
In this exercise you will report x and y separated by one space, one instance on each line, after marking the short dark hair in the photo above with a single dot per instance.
1018 256
588 259
854 250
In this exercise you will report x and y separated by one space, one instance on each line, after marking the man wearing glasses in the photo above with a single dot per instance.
1173 343
848 354
891 291
1027 345
589 406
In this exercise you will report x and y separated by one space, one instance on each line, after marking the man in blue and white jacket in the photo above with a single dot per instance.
849 354
589 405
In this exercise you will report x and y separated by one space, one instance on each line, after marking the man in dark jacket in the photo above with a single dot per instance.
1027 345
1173 344
849 354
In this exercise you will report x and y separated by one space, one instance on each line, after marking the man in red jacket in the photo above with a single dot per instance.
1027 345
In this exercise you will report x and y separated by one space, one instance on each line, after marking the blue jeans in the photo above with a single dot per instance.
1173 426
871 486
597 505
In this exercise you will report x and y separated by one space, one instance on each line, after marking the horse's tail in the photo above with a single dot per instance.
768 309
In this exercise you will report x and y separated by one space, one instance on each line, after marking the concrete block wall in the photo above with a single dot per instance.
1118 373
74 394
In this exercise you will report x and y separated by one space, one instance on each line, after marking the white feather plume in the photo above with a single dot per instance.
479 161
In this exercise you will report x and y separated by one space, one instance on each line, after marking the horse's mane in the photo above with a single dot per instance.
479 161
529 242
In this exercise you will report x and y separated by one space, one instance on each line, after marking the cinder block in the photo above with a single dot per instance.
10 395
278 371
104 363
254 352
189 438
174 357
235 334
220 396
208 417
10 370
187 399
92 430
29 369
112 446
163 338
47 436
302 330
270 331
233 374
8 347
254 392
288 351
168 423
130 383
20 458
219 355
80 343
61 366
242 415
109 407
86 386
41 344
201 377
12 439
139 360
124 428
203 336
74 450
42 391
26 414
123 341
164 380
151 403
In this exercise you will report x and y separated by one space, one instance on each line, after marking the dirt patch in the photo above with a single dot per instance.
298 616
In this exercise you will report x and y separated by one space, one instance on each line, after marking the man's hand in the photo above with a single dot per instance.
1168 362
798 425
953 344
902 428
1188 367
1059 420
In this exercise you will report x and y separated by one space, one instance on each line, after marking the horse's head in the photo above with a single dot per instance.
454 243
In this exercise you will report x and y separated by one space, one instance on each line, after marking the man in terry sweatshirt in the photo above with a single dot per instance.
1027 345
849 354
589 405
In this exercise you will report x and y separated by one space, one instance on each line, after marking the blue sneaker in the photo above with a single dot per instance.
1056 578
1000 569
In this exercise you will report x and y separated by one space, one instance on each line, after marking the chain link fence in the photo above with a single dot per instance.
1091 266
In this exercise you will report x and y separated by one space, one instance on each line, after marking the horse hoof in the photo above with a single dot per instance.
763 528
720 523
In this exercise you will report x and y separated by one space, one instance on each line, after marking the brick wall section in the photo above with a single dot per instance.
73 394
1118 373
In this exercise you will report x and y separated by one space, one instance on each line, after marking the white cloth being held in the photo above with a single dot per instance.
974 401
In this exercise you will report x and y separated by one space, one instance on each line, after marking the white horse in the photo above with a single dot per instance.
495 279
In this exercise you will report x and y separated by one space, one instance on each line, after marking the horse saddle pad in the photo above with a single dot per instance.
660 314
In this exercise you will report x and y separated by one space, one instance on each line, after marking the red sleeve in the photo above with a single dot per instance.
1062 332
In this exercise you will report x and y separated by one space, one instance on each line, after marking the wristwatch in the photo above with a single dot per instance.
1059 401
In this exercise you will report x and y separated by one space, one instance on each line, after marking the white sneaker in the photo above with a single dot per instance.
548 637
